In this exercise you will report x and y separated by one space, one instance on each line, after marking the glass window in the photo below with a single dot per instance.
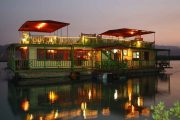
53 54
60 55
136 55
63 55
40 54
125 52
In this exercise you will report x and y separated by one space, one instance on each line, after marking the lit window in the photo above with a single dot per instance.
125 52
53 54
136 55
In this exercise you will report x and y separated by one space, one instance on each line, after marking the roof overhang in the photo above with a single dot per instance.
42 26
126 32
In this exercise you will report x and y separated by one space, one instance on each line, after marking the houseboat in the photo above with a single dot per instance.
45 49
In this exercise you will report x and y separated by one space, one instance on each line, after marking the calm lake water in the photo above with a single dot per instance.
125 99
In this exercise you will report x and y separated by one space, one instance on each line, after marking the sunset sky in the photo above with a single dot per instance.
94 16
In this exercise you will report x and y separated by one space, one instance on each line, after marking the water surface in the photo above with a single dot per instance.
124 99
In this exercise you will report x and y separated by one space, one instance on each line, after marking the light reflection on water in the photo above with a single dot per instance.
89 100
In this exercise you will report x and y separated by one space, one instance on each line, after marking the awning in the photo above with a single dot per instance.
125 32
42 26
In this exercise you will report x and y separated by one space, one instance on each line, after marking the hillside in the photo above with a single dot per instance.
175 51
3 53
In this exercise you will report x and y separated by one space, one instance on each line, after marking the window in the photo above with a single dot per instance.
125 52
60 55
63 55
53 54
82 55
136 55
40 54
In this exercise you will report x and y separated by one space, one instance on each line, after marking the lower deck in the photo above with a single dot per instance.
104 65
53 61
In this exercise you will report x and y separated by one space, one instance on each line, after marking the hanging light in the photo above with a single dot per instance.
138 43
41 25
131 32
115 51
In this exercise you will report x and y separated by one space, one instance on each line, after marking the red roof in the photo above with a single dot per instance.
125 32
42 26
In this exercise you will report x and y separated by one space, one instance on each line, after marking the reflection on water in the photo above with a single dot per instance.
126 99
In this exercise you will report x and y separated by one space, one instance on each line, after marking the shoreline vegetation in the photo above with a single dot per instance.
162 112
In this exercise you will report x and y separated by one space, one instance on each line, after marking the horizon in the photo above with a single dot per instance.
95 17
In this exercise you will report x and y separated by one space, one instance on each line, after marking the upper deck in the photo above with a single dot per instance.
124 37
85 41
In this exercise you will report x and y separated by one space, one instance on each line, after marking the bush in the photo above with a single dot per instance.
161 112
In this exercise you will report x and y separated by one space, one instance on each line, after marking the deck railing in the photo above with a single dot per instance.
107 65
37 64
11 64
135 64
92 41
53 40
81 64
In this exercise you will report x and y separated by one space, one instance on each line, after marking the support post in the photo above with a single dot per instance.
156 61
67 31
122 55
72 58
14 58
44 57
169 86
169 57
101 60
154 39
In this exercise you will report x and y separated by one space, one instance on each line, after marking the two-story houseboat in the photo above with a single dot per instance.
44 48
